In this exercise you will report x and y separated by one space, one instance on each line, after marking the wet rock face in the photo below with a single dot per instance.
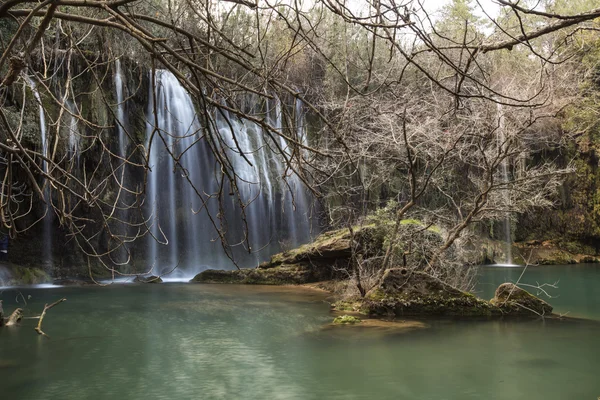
513 300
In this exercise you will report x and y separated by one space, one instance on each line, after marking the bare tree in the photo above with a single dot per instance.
404 103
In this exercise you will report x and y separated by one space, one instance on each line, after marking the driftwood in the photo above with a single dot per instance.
15 317
38 328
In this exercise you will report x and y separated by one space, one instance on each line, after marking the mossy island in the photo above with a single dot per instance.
399 292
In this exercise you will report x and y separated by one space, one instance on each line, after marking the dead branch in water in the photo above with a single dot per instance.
15 317
38 328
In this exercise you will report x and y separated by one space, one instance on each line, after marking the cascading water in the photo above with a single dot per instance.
74 136
193 243
294 198
170 196
301 198
119 85
47 220
121 254
504 170
5 275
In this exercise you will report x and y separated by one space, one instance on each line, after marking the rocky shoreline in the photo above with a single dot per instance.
400 292
321 264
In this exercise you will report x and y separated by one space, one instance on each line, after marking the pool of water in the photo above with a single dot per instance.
573 289
184 341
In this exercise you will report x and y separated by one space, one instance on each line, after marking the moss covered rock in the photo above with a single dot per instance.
313 262
20 275
346 319
511 299
406 292
330 248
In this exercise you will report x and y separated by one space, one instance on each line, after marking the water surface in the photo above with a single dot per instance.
183 341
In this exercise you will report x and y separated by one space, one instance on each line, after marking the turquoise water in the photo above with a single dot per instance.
576 293
184 341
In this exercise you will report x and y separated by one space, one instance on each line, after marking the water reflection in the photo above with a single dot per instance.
237 342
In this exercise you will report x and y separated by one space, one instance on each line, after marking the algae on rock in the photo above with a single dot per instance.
346 319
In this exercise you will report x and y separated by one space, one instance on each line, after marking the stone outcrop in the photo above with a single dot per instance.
405 292
318 261
330 248
400 292
513 300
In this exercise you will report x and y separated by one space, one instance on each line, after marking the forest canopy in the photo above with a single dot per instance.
433 115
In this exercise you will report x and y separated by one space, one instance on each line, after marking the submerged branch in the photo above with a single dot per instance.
38 328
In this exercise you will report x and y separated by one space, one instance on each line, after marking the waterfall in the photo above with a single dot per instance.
170 197
119 85
301 196
74 136
504 170
184 217
122 168
47 220
42 115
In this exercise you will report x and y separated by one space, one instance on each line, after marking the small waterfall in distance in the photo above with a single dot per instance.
47 220
119 85
504 170
185 218
121 167
73 132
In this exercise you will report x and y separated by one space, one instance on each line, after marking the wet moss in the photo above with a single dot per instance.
348 306
346 319
28 276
